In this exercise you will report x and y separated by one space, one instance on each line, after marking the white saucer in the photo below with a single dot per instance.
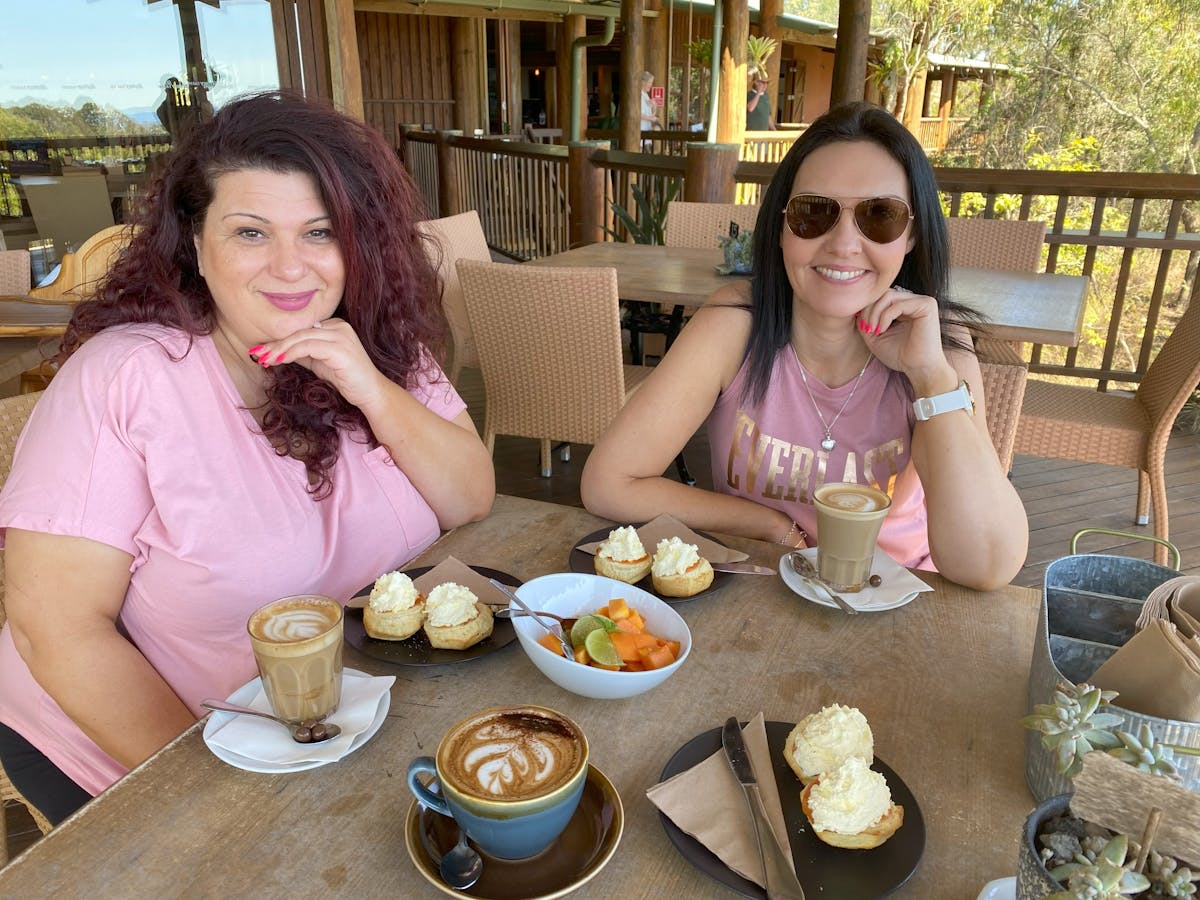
898 588
1000 889
243 697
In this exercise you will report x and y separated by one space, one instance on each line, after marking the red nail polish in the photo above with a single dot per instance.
256 349
279 359
878 329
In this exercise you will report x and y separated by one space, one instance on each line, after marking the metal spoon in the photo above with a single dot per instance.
305 733
507 612
461 866
802 567
568 650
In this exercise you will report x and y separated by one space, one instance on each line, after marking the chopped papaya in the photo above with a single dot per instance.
625 644
627 625
634 667
645 640
656 657
673 646
581 655
550 642
618 609
638 622
603 611
597 665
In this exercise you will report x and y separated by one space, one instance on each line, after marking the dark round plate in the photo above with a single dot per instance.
823 871
585 563
416 650
589 841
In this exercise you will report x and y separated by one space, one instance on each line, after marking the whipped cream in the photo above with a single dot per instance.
850 799
623 545
674 557
393 592
450 604
826 739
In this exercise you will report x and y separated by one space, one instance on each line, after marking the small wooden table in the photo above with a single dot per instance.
942 681
29 317
1041 308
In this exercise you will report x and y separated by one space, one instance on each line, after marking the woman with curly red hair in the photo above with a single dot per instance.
250 407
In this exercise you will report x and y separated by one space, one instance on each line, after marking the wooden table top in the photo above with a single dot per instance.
942 681
19 354
1042 308
29 317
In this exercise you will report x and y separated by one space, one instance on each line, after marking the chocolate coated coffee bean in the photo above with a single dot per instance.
318 732
303 734
875 581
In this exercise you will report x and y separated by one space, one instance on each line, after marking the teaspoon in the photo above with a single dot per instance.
461 866
802 567
304 733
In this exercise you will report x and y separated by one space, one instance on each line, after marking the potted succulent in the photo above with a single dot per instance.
1066 857
738 245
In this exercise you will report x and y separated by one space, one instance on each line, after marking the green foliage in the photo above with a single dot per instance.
646 227
1104 878
758 50
35 120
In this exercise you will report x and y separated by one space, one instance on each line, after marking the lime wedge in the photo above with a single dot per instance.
600 648
585 625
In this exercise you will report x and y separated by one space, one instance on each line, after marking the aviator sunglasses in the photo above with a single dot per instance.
879 219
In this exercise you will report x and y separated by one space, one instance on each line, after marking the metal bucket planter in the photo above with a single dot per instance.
1090 604
1033 881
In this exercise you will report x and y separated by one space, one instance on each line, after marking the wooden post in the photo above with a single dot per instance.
586 194
467 74
731 97
850 54
631 75
708 175
572 27
512 65
654 51
768 26
344 70
945 108
448 199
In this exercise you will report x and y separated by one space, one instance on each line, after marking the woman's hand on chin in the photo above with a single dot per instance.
330 350
903 329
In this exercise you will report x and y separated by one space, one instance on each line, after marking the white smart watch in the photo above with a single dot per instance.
959 398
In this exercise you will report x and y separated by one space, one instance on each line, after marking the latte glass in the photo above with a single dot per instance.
510 777
297 644
849 516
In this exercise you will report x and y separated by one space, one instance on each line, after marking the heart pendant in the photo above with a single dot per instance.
828 444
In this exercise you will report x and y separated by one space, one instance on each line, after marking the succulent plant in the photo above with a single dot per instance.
1075 724
1104 878
1168 878
1144 752
738 249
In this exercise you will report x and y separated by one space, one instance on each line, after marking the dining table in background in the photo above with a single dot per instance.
1043 308
23 317
941 680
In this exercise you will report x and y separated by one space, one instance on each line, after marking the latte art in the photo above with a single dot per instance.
513 755
294 624
852 500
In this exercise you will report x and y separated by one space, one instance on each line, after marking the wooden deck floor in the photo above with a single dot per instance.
1060 498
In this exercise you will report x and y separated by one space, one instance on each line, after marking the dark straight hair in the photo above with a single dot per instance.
925 270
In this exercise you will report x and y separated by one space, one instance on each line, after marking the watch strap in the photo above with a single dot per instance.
926 408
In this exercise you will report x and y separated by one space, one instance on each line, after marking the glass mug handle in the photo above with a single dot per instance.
436 802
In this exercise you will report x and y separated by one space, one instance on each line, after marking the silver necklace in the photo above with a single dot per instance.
829 443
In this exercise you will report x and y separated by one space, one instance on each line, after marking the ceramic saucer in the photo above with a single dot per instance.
898 588
582 850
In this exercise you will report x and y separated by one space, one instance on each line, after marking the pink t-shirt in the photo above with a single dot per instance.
771 452
157 457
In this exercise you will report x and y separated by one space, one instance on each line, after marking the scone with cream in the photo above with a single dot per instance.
395 610
454 617
824 740
851 806
678 569
622 556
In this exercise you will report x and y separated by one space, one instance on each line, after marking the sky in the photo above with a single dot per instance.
118 52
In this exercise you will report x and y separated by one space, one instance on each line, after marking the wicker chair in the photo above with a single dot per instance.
1003 389
549 344
14 272
457 237
1061 421
1006 245
14 412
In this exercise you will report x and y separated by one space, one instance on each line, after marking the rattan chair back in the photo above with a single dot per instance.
454 238
14 413
549 342
15 274
1003 391
82 270
698 225
1005 244
1062 421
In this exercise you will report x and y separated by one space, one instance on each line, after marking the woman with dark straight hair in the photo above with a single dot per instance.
843 359
249 407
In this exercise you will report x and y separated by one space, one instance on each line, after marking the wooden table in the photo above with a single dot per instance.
942 681
29 317
19 354
1041 308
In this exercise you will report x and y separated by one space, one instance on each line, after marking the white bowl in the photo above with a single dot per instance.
571 595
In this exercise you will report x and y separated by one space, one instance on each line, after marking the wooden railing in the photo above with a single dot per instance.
1125 231
930 133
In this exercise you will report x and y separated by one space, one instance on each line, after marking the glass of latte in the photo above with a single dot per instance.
510 777
849 516
297 644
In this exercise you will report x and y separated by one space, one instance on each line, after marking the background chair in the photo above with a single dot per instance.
14 412
457 237
1062 421
1007 245
82 270
15 272
549 343
1003 389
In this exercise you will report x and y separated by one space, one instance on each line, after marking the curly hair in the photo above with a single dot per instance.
392 291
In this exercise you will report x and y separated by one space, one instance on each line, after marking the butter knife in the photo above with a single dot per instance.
776 860
742 568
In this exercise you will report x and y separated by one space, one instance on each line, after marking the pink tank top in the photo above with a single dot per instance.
771 453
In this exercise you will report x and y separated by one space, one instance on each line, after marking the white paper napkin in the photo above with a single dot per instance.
258 739
898 586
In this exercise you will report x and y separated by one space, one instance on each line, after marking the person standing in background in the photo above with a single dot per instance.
758 107
650 117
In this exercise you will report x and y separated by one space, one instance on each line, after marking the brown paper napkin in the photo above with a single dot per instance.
707 802
666 526
451 569
1156 673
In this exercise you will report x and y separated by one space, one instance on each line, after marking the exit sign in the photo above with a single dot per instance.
658 94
